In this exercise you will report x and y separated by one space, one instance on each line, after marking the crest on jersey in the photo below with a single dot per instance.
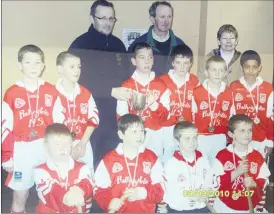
84 108
48 100
253 167
146 167
181 178
228 166
225 105
117 167
262 98
189 94
203 105
19 103
238 97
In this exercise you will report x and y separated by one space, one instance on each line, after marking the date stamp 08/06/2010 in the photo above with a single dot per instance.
217 193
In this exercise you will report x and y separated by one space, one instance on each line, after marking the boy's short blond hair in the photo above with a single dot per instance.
30 49
57 129
216 59
227 28
180 126
61 58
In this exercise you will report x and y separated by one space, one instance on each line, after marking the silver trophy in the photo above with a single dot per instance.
138 101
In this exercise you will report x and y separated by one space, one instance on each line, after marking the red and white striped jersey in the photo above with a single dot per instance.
83 114
51 187
226 163
112 179
158 111
180 96
262 92
201 109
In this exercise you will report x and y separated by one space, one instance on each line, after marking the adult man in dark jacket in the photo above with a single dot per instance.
160 36
104 68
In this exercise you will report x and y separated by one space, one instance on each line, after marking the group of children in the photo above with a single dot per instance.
174 133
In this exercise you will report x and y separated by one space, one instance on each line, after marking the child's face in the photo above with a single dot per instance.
227 42
144 60
134 136
59 147
31 65
216 72
181 65
251 69
189 140
242 133
71 69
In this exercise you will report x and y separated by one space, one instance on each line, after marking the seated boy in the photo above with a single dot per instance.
227 38
80 112
254 97
240 170
212 107
156 104
129 178
180 83
63 185
187 173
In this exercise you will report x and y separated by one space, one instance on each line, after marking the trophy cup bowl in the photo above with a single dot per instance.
138 101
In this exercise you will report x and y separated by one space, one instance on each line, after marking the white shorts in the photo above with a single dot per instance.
210 145
220 207
88 157
260 146
154 141
169 142
26 156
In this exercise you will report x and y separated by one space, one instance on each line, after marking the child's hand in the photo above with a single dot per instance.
137 193
78 151
121 93
241 169
74 197
151 98
249 182
115 204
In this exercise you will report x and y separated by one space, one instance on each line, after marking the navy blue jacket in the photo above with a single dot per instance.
161 63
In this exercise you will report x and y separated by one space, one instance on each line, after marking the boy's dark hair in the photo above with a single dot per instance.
180 126
32 49
227 28
250 55
182 50
57 129
238 118
215 58
61 58
97 3
127 120
153 7
138 46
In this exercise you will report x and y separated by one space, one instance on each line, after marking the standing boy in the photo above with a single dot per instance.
240 170
254 97
33 104
129 178
80 113
211 107
156 106
62 184
180 83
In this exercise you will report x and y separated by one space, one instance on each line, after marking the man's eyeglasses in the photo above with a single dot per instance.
104 19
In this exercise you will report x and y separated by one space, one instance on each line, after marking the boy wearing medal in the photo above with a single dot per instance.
211 107
129 178
80 113
32 103
189 179
254 97
62 184
240 170
156 103
180 83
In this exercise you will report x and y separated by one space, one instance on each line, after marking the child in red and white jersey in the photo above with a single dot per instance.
254 97
32 104
187 174
232 163
129 178
180 83
156 100
80 113
62 184
212 102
